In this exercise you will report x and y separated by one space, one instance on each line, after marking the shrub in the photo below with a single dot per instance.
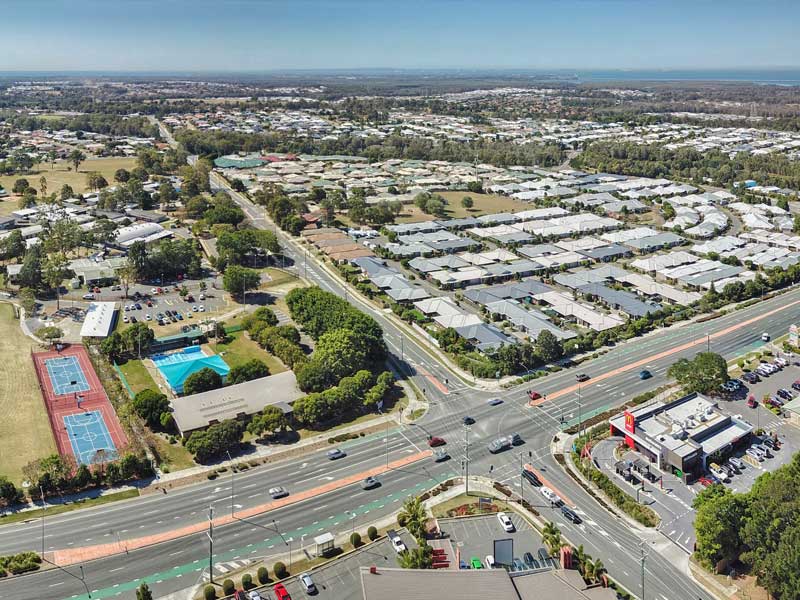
280 570
209 592
355 539
228 587
247 581
372 533
211 475
401 520
262 575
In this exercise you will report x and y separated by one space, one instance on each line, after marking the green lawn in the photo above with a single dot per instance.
240 349
62 174
57 509
138 377
483 204
174 457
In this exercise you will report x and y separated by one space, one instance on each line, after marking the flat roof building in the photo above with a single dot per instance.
99 319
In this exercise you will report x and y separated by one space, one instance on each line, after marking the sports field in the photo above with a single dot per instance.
483 204
25 433
59 175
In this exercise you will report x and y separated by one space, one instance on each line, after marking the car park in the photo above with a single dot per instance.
581 377
505 522
475 563
571 515
369 482
531 562
494 401
335 454
434 441
531 477
278 492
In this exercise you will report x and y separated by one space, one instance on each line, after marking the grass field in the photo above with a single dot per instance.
174 457
25 433
138 377
62 174
240 349
280 281
483 204
57 509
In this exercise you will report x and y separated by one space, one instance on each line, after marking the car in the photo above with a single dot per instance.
138 306
440 455
201 308
752 402
581 377
531 562
308 584
785 394
549 495
517 565
752 377
727 469
125 319
434 441
117 288
499 445
239 595
531 477
516 439
534 395
544 557
781 362
720 474
148 317
736 462
773 401
202 296
494 401
154 291
752 453
173 319
645 374
280 592
705 481
462 564
369 482
763 449
194 308
335 454
571 515
765 337
468 420
505 522
731 468
475 563
489 561
190 299
397 543
188 315
179 316
769 443
150 303
254 595
278 492
133 319
796 385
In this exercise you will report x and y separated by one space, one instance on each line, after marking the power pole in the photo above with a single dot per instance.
466 460
580 419
210 535
44 512
521 487
232 480
642 560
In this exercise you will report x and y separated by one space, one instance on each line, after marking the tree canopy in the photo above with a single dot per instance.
705 373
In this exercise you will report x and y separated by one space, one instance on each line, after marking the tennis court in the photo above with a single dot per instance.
66 375
89 437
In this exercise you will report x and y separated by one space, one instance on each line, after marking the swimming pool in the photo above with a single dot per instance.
177 366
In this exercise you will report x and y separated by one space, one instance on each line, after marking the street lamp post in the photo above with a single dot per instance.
232 480
210 535
580 418
466 460
44 512
521 487
642 560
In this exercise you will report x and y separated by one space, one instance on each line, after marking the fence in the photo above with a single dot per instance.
123 379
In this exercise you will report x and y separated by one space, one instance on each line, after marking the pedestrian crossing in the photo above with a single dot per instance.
223 568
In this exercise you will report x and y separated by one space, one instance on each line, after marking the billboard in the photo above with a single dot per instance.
504 552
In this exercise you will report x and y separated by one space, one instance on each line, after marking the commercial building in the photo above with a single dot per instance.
683 435
99 320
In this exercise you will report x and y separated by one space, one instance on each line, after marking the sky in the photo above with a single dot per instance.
264 35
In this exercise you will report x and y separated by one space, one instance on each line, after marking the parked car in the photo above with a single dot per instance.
796 385
720 474
475 563
125 319
369 483
254 595
705 481
785 394
516 439
781 362
490 564
434 441
534 395
763 449
397 543
736 462
571 515
731 468
753 453
752 402
335 454
517 565
148 317
239 595
280 592
751 377
530 561
505 522
582 377
278 492
645 374
765 337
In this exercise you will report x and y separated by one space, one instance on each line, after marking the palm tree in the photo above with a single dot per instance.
416 558
594 570
582 559
413 517
551 536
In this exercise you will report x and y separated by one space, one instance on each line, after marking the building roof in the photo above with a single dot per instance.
442 584
99 319
200 410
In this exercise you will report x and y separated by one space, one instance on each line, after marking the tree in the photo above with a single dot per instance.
49 333
12 246
63 236
716 526
202 381
51 158
548 347
705 373
269 420
467 202
593 570
238 185
27 301
355 539
413 517
66 192
237 280
416 558
43 185
143 592
9 493
137 338
54 272
150 405
20 185
796 224
215 441
551 536
121 175
76 157
113 346
96 181
581 558
252 369
30 275
127 275
372 533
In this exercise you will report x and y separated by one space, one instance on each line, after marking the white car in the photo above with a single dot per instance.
490 562
148 317
125 319
549 494
308 584
202 296
505 522
397 543
720 474
764 337
254 595
201 308
751 452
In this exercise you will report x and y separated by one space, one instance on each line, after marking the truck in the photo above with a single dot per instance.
500 444
396 542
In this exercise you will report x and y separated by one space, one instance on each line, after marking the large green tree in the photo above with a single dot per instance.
202 381
238 280
150 405
705 373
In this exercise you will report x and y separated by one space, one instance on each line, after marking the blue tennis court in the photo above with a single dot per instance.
66 375
88 434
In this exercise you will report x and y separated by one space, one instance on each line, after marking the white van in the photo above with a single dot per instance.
765 337
550 494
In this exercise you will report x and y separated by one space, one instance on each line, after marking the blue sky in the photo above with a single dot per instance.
261 35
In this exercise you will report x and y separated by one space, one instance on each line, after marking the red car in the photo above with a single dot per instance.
752 402
240 595
534 395
280 592
705 481
436 441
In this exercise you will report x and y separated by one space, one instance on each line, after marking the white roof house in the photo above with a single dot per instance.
99 319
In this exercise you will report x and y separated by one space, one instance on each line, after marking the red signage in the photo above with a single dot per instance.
630 422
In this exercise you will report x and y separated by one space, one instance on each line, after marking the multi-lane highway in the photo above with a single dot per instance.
178 564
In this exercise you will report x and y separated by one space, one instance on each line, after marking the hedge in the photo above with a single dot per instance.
280 570
209 592
372 533
23 562
262 575
228 587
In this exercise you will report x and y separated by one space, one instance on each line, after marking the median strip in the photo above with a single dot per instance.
71 556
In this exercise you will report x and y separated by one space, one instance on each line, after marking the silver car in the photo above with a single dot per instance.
308 584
